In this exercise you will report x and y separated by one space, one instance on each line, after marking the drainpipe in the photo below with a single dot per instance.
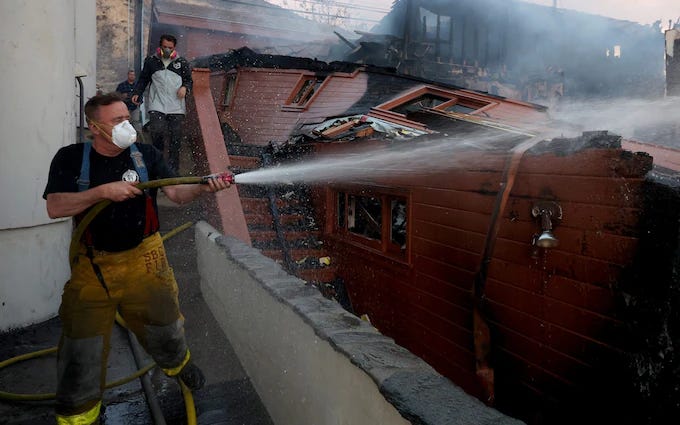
480 327
81 138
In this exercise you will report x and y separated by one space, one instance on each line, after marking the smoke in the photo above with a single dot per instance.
594 55
648 11
641 119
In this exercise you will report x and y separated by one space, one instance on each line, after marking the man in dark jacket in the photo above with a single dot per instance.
169 79
125 89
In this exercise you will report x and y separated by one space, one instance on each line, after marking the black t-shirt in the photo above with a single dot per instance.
119 226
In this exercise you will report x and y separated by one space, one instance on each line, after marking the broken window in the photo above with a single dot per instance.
429 28
364 216
427 97
461 108
435 31
615 51
425 101
398 223
229 90
377 221
341 212
305 89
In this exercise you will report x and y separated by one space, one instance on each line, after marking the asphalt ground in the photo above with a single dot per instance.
227 399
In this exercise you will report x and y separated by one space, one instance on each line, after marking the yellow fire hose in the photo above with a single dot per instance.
87 219
77 234
50 396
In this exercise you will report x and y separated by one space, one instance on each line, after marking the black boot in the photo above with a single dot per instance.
192 376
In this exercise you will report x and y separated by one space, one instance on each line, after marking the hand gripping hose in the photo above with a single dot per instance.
87 219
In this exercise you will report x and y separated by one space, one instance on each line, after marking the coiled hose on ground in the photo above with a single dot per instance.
75 239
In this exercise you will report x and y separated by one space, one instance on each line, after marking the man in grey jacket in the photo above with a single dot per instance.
169 79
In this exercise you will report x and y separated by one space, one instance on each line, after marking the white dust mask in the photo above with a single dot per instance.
123 135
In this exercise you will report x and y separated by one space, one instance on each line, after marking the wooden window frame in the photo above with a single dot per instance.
384 247
297 107
463 97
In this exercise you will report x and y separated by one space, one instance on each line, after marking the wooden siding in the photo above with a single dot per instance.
558 330
256 113
664 156
553 313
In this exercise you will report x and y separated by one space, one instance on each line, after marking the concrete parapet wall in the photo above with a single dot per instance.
311 361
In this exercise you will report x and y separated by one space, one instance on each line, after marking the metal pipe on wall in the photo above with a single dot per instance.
81 95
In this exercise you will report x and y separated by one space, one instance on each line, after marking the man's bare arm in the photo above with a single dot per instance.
185 193
68 204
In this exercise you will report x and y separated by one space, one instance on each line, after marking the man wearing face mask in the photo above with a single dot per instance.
121 263
169 79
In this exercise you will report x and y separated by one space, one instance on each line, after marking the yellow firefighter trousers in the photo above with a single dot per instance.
139 284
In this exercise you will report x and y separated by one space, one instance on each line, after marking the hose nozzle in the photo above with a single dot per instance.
227 176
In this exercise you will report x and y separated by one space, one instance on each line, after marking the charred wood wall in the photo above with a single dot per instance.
517 43
258 110
560 334
651 314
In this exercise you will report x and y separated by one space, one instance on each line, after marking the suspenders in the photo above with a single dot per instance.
151 225
137 161
84 184
84 178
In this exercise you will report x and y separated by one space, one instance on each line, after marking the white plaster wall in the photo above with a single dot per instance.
38 41
31 287
299 377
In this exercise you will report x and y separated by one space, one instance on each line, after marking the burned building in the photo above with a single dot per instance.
514 262
129 32
673 61
209 26
517 49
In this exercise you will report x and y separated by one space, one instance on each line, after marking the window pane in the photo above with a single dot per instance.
364 216
309 87
341 212
398 222
444 28
425 101
229 90
429 25
460 108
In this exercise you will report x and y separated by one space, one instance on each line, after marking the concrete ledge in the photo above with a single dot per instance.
311 361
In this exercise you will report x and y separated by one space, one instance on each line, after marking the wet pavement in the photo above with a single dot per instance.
227 399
